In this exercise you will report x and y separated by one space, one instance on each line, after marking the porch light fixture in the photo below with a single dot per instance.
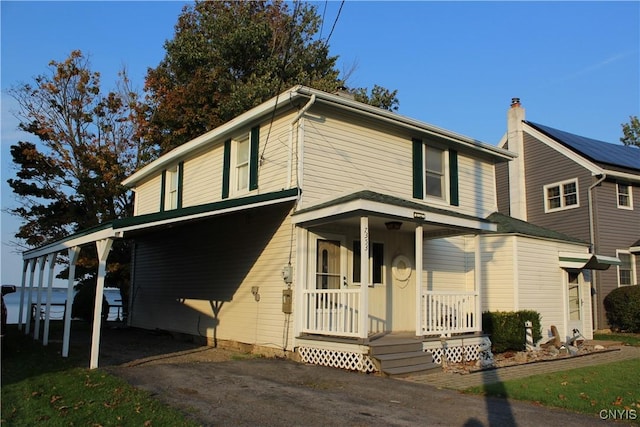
393 225
419 215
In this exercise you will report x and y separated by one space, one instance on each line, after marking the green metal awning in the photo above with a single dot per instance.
586 261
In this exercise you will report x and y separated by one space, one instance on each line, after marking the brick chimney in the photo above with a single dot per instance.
515 138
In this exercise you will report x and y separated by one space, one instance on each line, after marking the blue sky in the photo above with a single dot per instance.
574 65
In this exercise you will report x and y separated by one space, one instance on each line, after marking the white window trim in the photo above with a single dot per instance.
634 280
444 200
171 188
234 176
630 207
561 185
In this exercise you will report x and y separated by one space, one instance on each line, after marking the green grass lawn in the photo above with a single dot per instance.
609 387
39 386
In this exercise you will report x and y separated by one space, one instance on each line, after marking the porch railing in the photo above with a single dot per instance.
444 313
331 311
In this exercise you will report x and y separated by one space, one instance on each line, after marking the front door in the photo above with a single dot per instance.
328 264
574 300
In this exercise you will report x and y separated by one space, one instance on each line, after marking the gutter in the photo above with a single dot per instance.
592 237
299 141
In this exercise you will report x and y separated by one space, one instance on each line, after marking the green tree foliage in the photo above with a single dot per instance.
631 132
379 97
88 142
227 57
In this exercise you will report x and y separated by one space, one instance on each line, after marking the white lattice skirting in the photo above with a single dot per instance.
337 359
456 354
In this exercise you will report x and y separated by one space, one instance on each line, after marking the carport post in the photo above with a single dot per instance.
104 246
36 332
51 258
25 268
74 252
33 262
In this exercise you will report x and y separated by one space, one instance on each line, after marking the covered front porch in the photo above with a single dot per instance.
349 302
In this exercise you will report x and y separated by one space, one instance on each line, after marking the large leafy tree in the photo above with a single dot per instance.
228 56
87 143
631 132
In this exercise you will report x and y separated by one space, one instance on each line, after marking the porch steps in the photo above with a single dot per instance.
401 357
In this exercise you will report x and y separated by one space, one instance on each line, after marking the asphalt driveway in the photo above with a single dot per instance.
220 387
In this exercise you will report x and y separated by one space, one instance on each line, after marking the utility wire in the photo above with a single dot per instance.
333 27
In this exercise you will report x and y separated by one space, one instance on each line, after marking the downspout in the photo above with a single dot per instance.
592 249
291 128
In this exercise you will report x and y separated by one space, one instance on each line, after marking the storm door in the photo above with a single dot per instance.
574 299
328 264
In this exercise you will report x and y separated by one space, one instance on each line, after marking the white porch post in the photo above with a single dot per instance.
364 277
73 258
478 282
36 332
33 262
301 308
51 259
419 253
104 246
25 268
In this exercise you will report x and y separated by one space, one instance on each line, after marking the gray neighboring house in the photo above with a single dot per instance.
578 186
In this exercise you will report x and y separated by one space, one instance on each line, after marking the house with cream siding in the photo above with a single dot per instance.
579 186
346 235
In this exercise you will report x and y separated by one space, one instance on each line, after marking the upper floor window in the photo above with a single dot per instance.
626 273
171 190
561 195
240 164
625 200
435 172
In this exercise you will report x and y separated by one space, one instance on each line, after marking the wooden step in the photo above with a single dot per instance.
396 346
404 371
394 360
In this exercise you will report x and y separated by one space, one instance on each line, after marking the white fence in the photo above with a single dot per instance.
444 313
332 312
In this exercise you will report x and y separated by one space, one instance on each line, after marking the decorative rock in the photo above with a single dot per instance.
521 357
553 351
598 347
563 350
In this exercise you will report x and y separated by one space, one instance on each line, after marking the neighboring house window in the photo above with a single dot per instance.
435 173
240 164
376 262
561 195
171 190
625 200
626 273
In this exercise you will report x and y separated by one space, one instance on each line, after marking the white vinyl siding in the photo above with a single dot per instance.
448 264
497 272
348 154
202 173
148 196
197 279
202 178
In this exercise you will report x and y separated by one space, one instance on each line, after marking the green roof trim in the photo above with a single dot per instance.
199 209
507 224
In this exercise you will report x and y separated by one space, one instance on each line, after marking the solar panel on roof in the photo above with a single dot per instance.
595 150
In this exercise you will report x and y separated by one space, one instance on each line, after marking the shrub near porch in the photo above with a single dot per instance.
507 331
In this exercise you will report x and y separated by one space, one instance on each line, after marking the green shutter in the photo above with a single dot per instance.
180 183
163 189
453 178
418 165
253 159
226 169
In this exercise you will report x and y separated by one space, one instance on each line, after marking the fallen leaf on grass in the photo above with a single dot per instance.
55 399
618 401
562 397
147 423
563 383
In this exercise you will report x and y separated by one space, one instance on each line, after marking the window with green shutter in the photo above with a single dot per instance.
435 172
